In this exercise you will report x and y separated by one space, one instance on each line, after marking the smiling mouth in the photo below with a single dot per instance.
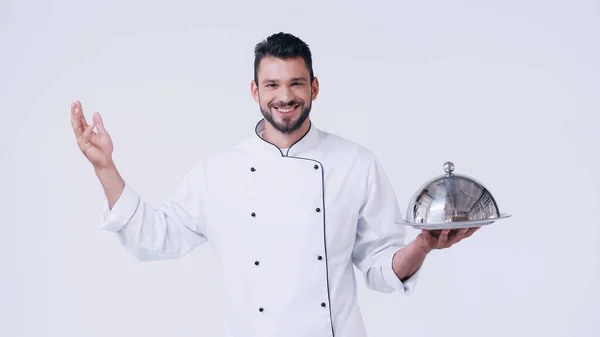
286 110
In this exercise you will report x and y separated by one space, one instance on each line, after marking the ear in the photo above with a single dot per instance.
254 91
315 88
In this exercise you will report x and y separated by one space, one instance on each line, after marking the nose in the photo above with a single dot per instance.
286 94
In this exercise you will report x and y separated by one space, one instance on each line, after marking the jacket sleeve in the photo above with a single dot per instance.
378 236
166 230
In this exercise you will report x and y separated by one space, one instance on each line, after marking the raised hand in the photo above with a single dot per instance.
445 238
96 145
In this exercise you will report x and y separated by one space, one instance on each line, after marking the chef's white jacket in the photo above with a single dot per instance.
287 228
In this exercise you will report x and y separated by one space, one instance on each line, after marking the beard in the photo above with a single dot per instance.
287 126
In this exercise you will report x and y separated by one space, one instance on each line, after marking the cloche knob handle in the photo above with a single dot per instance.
448 168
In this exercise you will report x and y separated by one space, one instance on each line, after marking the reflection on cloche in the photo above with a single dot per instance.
452 201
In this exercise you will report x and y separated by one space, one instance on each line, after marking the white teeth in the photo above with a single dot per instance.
285 110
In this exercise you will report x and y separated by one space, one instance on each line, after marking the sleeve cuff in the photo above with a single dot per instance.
116 218
390 277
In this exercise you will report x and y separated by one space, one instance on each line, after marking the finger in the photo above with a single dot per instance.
73 115
84 123
459 236
428 234
443 238
433 233
97 119
76 120
471 231
86 136
96 139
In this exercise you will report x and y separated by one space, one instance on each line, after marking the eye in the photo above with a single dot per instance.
296 83
271 85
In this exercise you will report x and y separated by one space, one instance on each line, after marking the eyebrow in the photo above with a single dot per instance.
295 79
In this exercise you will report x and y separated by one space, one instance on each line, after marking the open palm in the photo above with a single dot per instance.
96 145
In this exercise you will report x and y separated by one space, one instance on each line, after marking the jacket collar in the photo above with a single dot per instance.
308 142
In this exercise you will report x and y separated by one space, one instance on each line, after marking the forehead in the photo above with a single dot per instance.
282 69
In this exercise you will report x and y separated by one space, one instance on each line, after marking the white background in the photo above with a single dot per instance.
507 90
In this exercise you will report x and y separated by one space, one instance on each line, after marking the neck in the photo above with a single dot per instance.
284 140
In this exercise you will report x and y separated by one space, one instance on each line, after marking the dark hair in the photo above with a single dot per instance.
283 46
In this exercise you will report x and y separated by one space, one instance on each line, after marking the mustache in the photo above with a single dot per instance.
282 104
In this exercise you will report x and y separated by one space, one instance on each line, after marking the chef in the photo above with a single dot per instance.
288 211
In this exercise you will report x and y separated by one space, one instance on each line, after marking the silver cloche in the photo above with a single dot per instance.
452 201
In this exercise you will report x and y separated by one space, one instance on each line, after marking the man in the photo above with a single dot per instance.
289 212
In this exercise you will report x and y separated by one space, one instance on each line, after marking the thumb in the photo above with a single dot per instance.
99 124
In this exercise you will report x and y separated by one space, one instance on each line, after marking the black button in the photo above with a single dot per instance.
318 209
253 214
256 263
252 169
323 304
320 257
316 167
261 309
